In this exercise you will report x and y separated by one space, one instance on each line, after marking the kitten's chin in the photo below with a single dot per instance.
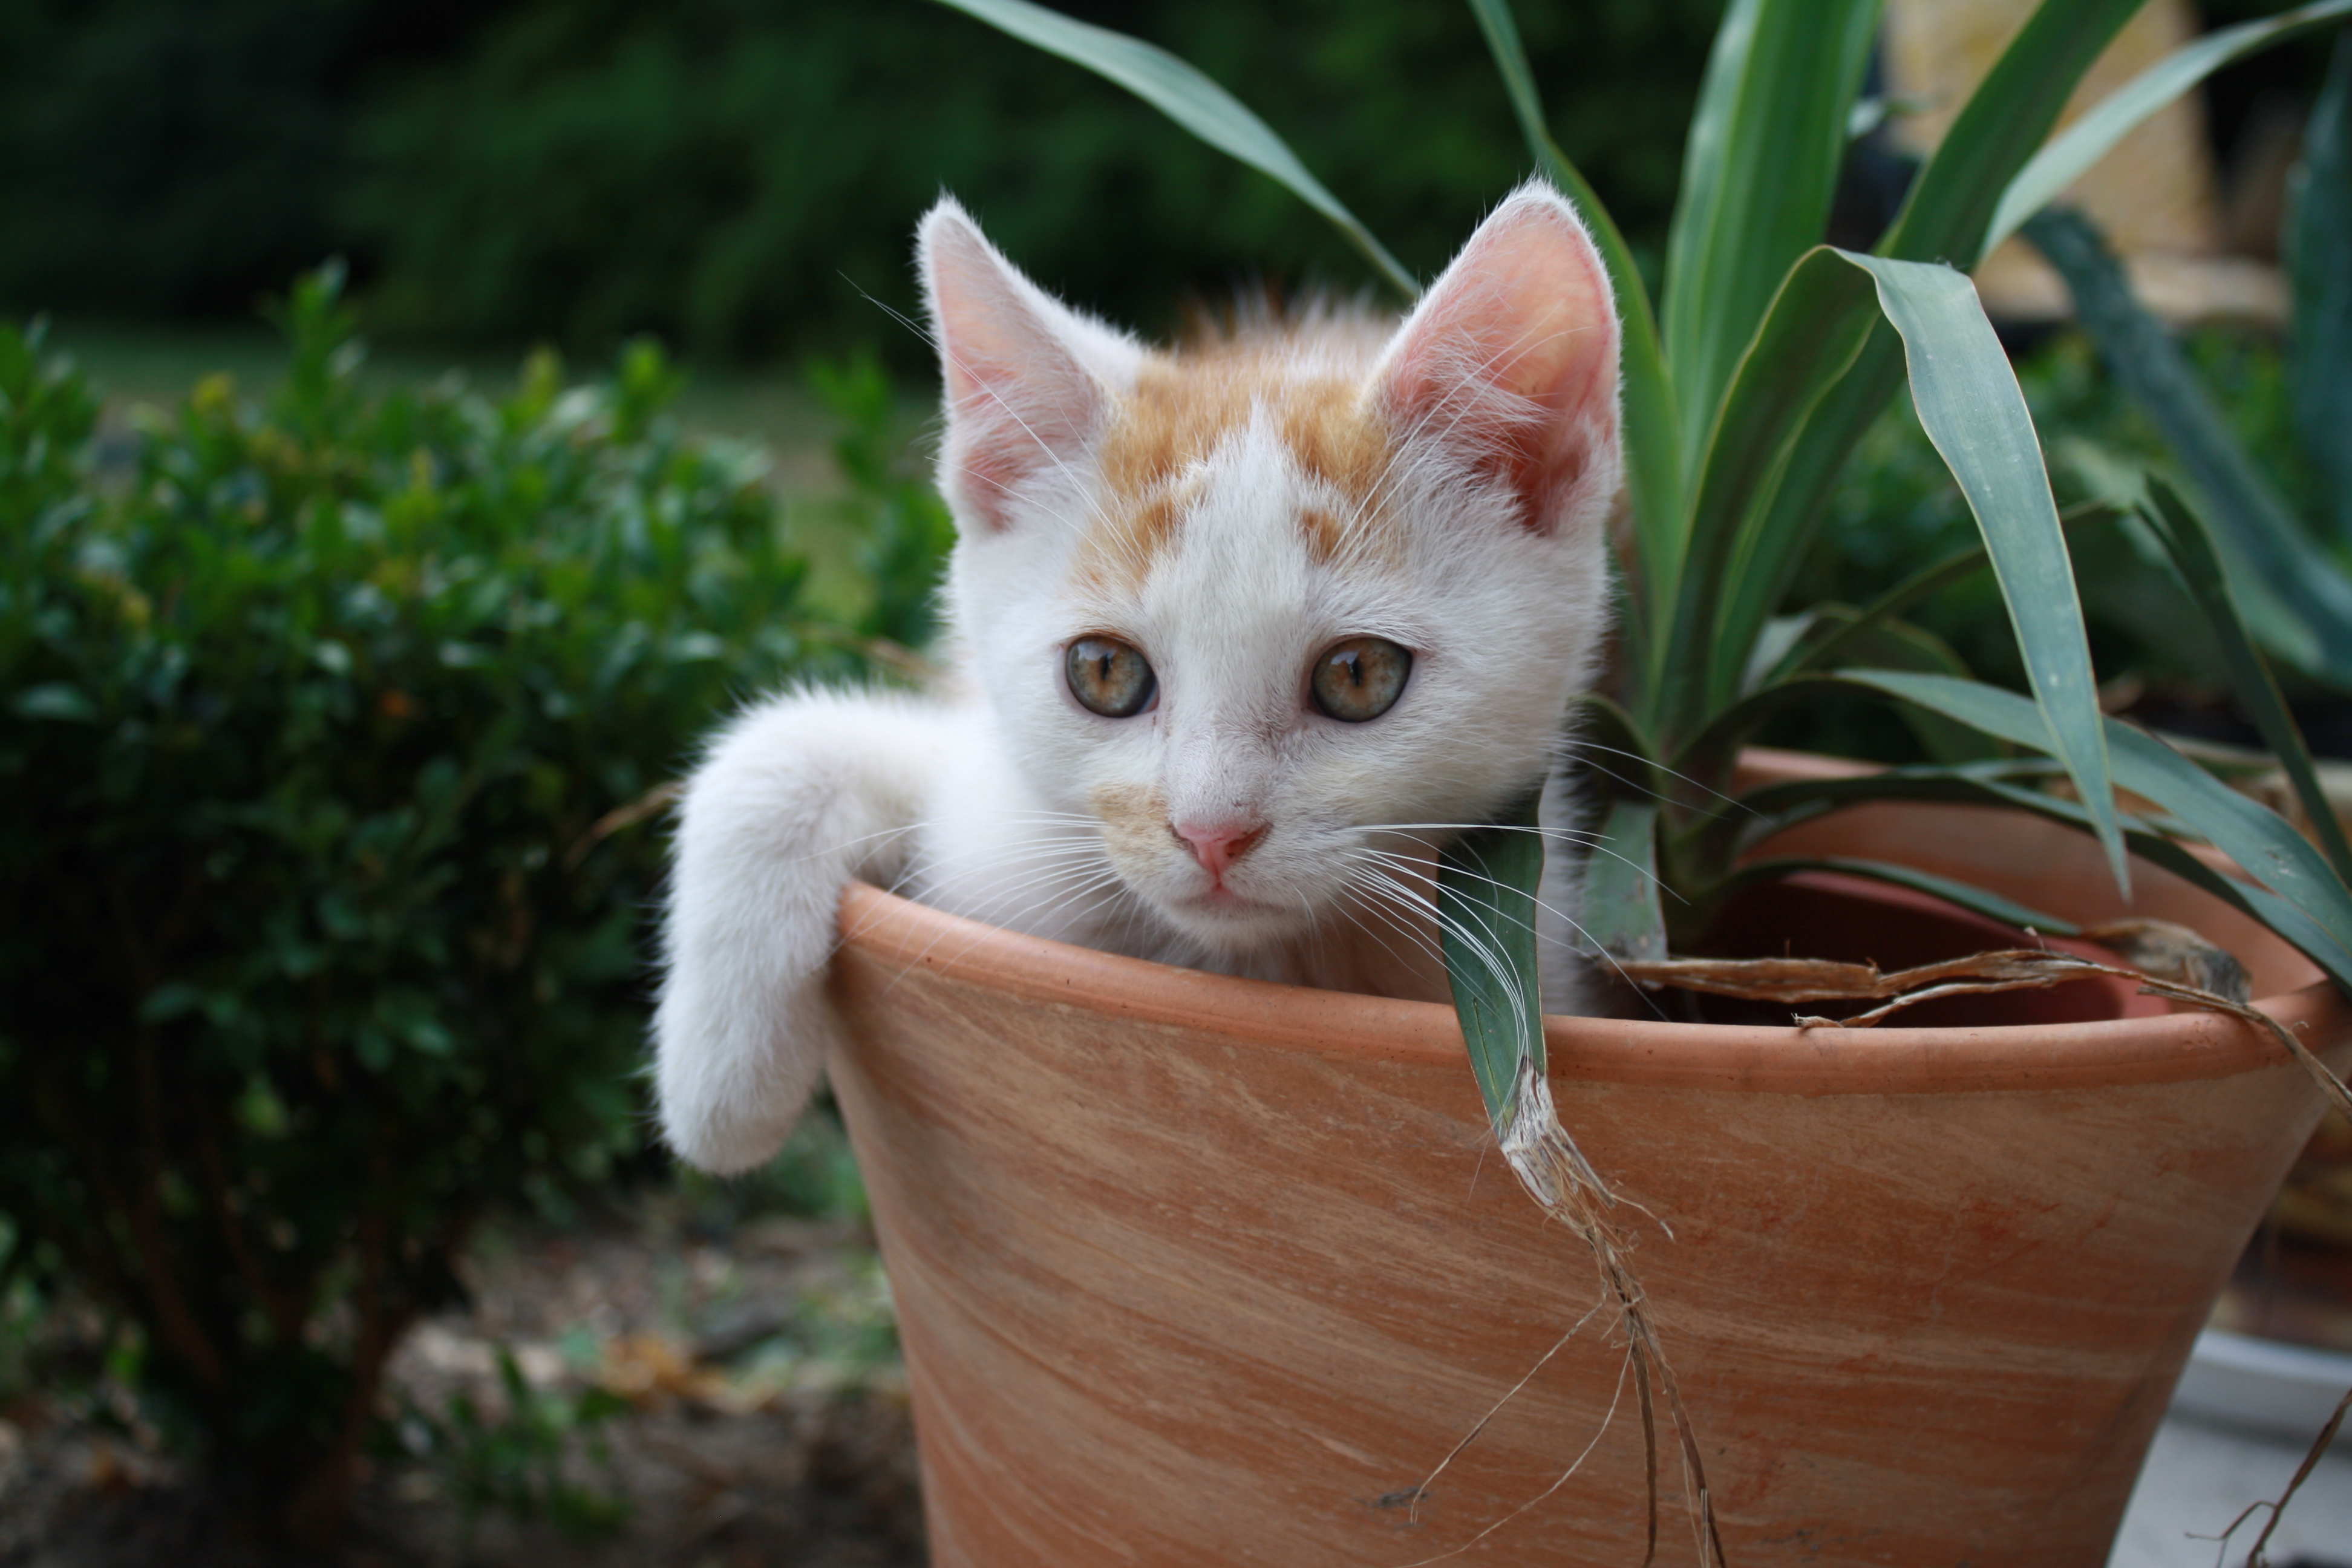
1233 924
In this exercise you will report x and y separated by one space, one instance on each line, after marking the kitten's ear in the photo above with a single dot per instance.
1509 363
1020 396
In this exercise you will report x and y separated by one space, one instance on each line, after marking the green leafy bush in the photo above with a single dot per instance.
328 730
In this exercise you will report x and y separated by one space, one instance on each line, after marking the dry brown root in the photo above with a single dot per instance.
2176 964
1564 1184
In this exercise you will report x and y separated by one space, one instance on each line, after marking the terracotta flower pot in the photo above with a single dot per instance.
1192 1270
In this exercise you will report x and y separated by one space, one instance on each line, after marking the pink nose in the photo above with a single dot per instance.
1217 845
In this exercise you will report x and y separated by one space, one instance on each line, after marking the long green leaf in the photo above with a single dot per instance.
1970 403
1823 653
1976 899
2258 839
2290 923
1779 524
1760 169
1944 214
2318 246
1653 459
2263 537
1180 92
1487 906
1923 584
1951 204
1785 805
1620 915
2070 155
2201 573
1971 408
1805 343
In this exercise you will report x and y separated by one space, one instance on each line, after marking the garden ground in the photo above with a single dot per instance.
743 1388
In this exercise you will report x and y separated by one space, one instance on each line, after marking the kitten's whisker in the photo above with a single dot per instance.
1100 880
1592 949
1032 853
1411 832
1695 783
1350 889
1482 942
1573 835
1048 858
1037 817
1047 874
912 874
1474 876
1374 901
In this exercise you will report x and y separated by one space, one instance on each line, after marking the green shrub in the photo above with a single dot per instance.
329 729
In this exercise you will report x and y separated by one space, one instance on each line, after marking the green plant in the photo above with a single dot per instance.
2296 579
328 727
1745 395
1745 391
520 1457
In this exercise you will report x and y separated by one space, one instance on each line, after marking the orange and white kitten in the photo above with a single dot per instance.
1237 636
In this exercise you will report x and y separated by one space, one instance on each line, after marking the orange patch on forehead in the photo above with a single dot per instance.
1182 408
1121 547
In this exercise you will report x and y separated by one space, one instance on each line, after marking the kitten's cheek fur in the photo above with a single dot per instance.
797 796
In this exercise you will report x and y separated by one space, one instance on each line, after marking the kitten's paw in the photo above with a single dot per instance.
798 796
729 1088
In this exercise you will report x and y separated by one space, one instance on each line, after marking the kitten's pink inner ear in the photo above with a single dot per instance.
1017 400
1511 361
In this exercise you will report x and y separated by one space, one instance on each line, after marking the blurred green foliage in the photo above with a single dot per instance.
891 507
814 1177
331 730
521 1458
735 173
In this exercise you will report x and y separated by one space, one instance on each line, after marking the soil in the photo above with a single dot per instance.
676 1397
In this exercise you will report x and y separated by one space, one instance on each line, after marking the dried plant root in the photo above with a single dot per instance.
2257 1557
2007 969
1564 1184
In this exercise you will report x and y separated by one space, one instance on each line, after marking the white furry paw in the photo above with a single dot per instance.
797 796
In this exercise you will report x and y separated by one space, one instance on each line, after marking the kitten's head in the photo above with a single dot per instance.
1272 606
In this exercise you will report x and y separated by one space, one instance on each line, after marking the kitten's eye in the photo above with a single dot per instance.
1110 678
1360 678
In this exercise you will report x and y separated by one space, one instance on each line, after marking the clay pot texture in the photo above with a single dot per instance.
1192 1270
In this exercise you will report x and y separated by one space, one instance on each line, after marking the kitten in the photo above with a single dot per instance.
1238 633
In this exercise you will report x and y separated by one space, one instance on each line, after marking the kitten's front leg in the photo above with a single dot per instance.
797 796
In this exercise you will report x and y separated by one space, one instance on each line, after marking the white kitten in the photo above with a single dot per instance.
1237 634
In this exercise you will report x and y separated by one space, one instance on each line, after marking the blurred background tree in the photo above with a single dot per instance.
733 174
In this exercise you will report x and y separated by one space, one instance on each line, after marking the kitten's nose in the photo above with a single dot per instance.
1217 845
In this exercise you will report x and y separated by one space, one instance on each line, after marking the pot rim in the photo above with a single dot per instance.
901 936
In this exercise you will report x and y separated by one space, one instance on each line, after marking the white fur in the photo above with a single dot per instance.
991 803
